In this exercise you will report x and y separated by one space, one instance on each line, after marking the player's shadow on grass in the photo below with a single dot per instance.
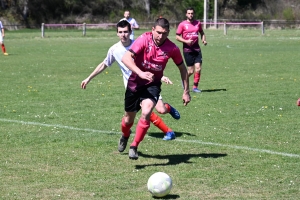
176 159
161 134
214 90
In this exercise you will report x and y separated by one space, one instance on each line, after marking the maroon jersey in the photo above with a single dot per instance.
190 31
152 58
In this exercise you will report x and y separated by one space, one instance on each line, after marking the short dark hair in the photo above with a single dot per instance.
162 22
190 8
123 23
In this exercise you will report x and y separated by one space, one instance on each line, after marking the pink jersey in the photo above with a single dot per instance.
190 31
152 58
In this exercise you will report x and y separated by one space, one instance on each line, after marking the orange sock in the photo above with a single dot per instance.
159 123
125 128
196 79
141 130
3 48
168 107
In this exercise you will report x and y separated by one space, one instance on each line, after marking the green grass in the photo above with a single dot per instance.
58 141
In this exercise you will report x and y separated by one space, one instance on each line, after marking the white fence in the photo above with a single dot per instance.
84 26
112 25
236 24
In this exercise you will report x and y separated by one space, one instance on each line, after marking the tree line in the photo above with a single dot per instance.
31 12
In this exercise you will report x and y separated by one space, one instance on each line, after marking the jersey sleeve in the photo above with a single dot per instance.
179 30
176 56
139 44
110 59
135 24
200 27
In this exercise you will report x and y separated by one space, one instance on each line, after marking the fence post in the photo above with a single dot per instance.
84 29
262 28
43 30
225 29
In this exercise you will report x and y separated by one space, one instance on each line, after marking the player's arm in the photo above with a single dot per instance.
100 68
203 37
2 32
135 25
128 60
166 80
180 39
185 80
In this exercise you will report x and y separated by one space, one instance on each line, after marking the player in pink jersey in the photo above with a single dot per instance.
147 59
115 54
187 33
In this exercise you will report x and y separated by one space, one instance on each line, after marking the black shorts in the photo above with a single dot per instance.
192 57
133 99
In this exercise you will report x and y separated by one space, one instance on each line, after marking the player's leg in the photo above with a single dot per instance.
189 61
197 74
142 127
2 46
149 99
126 124
128 119
164 108
159 123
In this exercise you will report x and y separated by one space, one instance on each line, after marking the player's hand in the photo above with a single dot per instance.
186 98
147 76
190 42
204 42
84 83
166 80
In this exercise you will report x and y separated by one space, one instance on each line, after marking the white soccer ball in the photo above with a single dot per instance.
159 184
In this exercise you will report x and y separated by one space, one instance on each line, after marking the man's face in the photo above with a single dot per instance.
123 34
127 14
159 34
190 15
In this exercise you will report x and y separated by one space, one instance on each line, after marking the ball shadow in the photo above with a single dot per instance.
169 196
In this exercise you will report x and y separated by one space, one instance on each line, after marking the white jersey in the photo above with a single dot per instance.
115 53
1 27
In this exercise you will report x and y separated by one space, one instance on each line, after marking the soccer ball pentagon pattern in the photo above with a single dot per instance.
159 184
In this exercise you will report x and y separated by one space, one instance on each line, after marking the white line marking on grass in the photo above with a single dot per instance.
58 126
177 140
241 147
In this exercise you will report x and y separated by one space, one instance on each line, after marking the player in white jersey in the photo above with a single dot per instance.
2 34
133 23
115 53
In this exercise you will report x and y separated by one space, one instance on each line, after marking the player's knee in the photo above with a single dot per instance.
161 109
146 113
198 67
190 71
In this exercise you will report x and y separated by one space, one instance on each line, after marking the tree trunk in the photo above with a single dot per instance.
147 7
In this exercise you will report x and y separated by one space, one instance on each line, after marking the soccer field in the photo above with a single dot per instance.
238 139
